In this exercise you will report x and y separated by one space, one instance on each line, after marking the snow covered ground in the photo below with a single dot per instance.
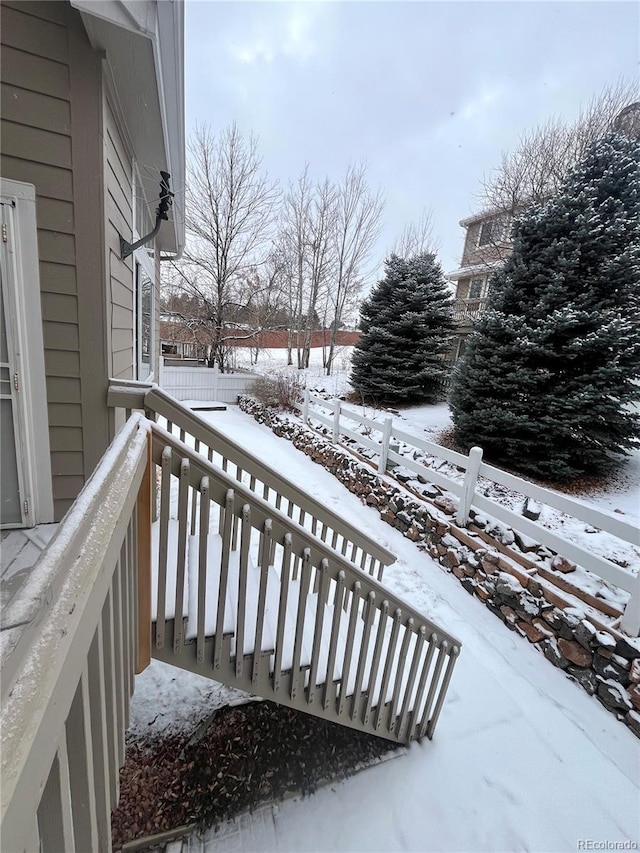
523 759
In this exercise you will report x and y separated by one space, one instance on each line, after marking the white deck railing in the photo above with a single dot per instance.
67 672
261 478
381 438
247 596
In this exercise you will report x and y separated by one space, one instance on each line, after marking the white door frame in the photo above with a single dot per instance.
20 263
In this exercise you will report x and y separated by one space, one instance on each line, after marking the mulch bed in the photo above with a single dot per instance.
246 755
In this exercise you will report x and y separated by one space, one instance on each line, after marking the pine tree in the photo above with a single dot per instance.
406 329
548 381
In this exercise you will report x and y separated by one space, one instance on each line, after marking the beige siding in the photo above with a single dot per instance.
51 127
119 220
36 146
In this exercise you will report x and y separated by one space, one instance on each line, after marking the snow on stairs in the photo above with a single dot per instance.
304 628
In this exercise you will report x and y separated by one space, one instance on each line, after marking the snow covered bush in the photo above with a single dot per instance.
282 391
406 323
549 375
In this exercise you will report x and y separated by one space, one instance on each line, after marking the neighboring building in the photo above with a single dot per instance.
486 246
189 339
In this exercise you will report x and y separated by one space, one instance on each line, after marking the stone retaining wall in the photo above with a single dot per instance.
576 639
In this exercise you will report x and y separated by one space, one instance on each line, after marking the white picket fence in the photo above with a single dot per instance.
334 414
204 383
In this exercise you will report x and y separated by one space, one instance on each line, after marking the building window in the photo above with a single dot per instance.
145 299
476 288
487 232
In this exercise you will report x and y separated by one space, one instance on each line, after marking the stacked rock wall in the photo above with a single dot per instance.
572 637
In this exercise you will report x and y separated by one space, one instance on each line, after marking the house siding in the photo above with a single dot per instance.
119 221
51 130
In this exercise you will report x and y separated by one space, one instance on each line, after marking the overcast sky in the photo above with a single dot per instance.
428 93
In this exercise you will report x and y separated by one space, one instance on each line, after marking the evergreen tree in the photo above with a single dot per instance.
547 380
406 325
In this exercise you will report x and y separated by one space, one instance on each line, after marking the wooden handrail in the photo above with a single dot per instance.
132 395
66 684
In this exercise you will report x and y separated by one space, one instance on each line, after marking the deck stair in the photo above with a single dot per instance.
245 594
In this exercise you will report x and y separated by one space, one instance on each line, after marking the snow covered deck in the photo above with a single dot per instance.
524 758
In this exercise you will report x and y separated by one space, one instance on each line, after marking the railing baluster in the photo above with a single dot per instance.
245 542
442 651
165 498
118 642
389 663
305 577
318 628
399 672
408 690
81 775
54 811
183 497
236 523
262 599
375 663
203 547
224 576
364 648
329 686
285 571
346 662
194 510
110 698
455 651
415 718
97 707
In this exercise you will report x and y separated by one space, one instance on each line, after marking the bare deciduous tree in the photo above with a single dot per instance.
230 211
357 224
534 170
417 238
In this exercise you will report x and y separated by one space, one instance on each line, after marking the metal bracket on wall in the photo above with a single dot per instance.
166 200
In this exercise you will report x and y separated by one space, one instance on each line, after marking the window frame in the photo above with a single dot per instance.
143 264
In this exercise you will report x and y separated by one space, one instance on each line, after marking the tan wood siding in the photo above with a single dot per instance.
65 414
50 73
62 363
31 109
119 215
40 146
25 27
67 464
35 73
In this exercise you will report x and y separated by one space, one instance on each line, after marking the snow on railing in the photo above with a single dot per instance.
67 681
333 414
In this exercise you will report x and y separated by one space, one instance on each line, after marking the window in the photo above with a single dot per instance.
476 288
145 275
492 231
144 321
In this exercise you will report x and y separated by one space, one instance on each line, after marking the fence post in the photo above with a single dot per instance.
216 373
469 485
630 622
384 449
336 421
305 407
161 371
